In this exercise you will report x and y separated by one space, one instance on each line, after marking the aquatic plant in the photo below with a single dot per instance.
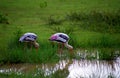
54 20
3 19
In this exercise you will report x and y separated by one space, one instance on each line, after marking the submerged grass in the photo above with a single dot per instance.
58 74
20 55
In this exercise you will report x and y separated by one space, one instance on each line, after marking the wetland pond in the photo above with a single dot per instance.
68 68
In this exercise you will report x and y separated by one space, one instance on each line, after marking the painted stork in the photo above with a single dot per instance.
31 39
63 39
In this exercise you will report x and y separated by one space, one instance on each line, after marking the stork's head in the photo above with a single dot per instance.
68 46
36 45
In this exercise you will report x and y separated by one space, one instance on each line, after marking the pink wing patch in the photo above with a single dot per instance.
54 37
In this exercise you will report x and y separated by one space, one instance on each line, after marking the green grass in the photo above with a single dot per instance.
90 24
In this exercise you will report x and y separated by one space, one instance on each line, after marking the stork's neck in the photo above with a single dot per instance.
68 46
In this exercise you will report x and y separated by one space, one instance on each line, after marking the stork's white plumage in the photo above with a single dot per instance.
61 38
30 38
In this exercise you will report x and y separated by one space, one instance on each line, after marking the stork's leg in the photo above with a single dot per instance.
62 48
31 43
71 51
25 45
36 49
58 48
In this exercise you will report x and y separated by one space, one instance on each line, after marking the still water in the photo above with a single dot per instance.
74 68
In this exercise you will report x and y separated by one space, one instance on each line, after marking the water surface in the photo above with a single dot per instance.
72 68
